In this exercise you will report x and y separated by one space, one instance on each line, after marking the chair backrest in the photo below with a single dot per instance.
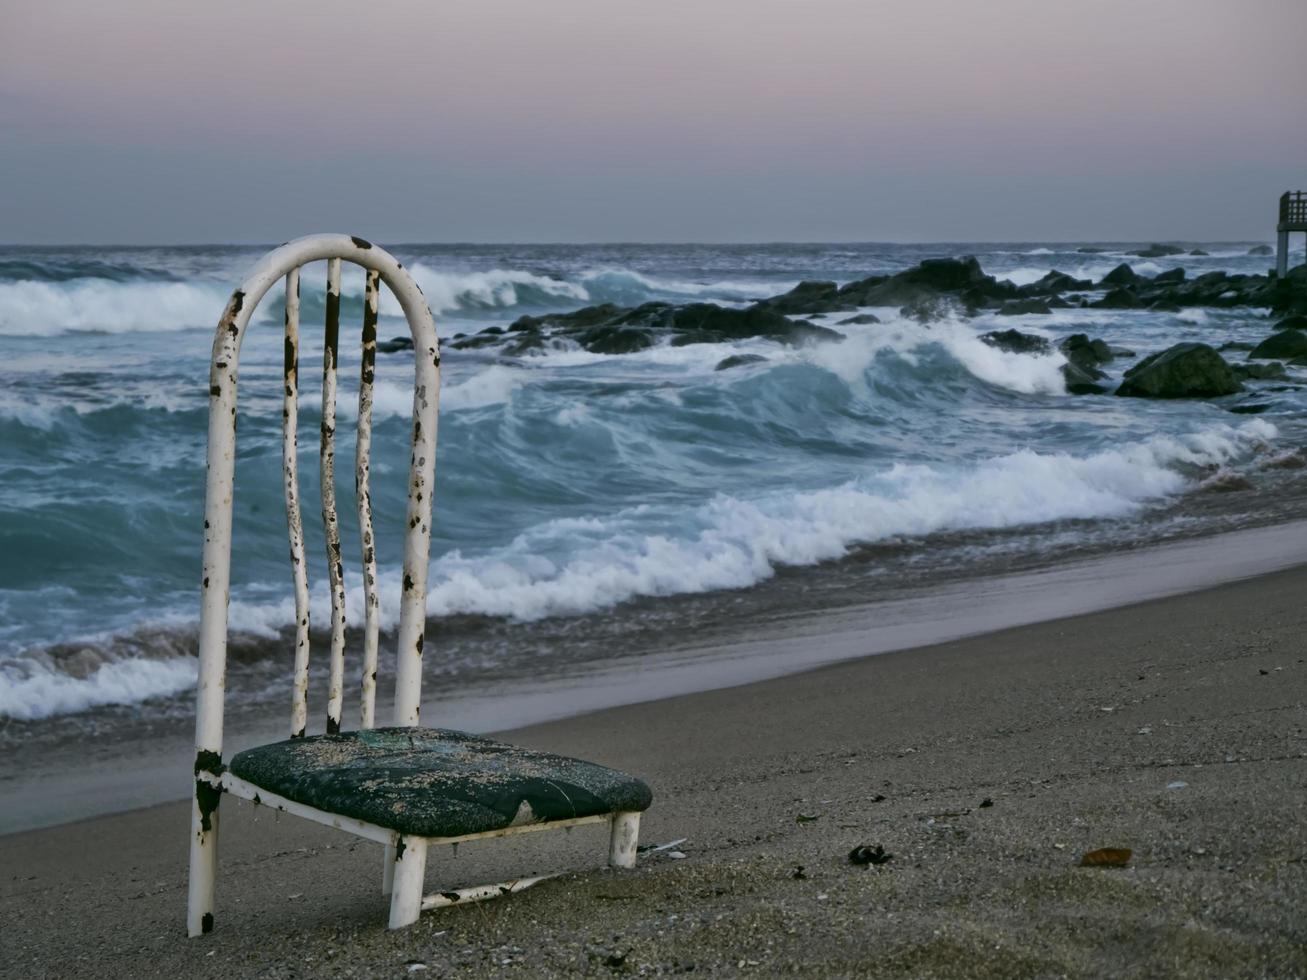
284 263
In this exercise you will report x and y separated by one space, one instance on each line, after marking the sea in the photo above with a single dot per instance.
588 506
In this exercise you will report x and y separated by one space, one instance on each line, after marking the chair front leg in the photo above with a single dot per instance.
410 869
204 860
624 840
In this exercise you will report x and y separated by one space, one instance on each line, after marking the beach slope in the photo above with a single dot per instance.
986 767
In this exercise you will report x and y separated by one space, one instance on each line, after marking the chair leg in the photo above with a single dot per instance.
388 870
410 869
624 840
204 868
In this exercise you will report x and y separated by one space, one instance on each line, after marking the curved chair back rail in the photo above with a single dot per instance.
284 263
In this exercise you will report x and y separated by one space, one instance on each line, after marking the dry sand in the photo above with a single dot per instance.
986 766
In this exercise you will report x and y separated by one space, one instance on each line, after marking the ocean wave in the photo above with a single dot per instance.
33 689
47 309
493 289
578 565
115 304
734 542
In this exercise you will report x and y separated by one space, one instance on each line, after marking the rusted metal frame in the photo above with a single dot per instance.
363 496
295 527
246 790
216 561
330 520
480 893
417 538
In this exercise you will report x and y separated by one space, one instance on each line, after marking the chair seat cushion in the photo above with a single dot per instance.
433 782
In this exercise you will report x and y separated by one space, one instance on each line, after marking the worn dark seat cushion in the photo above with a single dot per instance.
433 782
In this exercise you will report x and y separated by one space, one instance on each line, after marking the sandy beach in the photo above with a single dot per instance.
986 767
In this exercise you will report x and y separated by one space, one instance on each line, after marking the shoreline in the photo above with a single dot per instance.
1175 727
75 782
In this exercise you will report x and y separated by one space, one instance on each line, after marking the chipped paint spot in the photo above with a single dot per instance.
206 923
360 242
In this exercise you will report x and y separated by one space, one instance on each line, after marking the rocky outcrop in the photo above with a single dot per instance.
1260 372
809 296
1056 282
610 329
1081 382
1122 275
1261 250
1086 354
1156 251
1285 344
1184 371
1016 342
1021 307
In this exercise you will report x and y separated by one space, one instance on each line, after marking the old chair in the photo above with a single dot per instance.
404 787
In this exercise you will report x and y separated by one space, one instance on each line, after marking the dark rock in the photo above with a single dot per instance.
861 319
947 275
1016 342
1122 275
1184 371
1080 381
609 329
1260 372
1249 409
1090 250
588 316
1118 299
1121 352
524 343
1165 306
1261 250
616 340
394 345
738 360
809 296
1056 282
1022 307
1086 354
1156 251
1235 345
476 341
1285 344
1198 251
1170 275
865 854
1288 294
1292 323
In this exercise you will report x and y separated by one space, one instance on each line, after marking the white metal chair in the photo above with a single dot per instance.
404 787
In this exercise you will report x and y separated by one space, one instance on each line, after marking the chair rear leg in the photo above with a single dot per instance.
624 840
388 870
204 866
410 869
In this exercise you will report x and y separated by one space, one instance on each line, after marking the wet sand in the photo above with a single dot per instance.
985 766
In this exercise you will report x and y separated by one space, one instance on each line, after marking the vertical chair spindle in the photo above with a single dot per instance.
362 492
299 711
330 522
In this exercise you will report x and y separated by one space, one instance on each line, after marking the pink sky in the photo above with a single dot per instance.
717 120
